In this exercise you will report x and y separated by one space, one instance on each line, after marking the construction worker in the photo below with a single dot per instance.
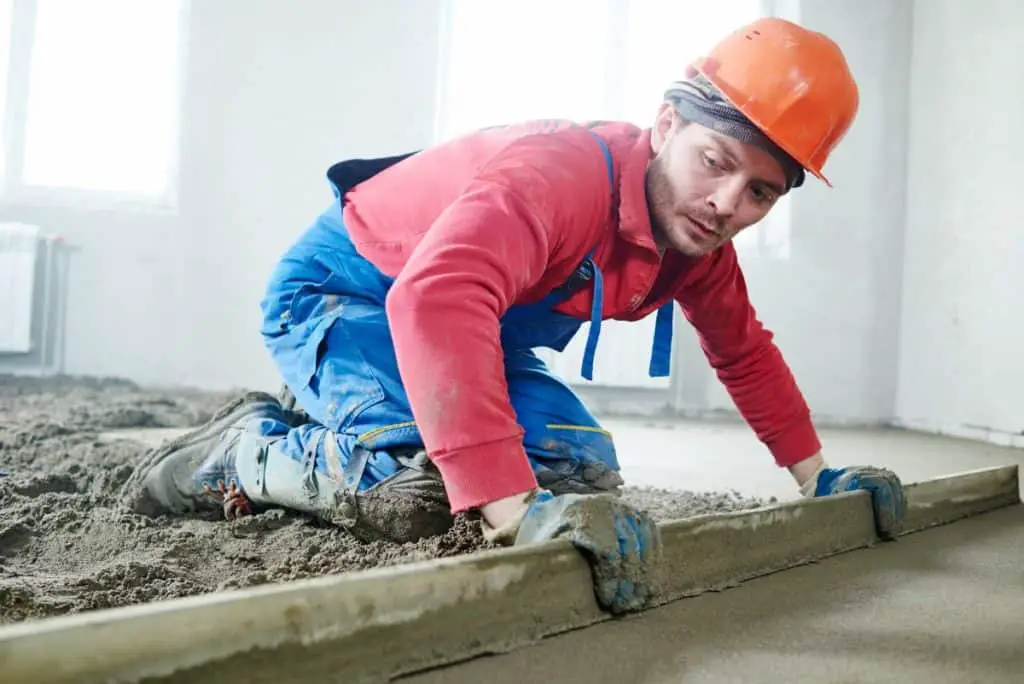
403 320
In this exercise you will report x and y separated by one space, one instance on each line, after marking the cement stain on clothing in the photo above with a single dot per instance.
67 547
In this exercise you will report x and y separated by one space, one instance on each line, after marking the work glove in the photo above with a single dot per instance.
887 499
621 544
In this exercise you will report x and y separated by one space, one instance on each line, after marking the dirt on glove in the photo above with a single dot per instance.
66 546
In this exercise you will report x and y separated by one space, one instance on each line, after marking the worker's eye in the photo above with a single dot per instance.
761 194
710 161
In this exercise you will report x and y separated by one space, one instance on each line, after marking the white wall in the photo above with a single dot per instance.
962 332
834 303
273 96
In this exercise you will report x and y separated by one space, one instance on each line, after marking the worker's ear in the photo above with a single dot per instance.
662 130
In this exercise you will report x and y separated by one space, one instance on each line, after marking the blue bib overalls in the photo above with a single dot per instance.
327 332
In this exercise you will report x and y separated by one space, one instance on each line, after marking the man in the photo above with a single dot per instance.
403 320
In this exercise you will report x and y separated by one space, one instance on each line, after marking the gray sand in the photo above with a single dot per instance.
65 547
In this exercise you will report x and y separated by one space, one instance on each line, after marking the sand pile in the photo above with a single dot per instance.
66 547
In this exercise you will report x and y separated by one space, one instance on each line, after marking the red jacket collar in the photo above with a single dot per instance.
634 219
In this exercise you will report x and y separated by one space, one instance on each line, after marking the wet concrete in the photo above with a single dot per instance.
849 623
68 545
943 605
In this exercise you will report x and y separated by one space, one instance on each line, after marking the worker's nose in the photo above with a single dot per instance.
726 197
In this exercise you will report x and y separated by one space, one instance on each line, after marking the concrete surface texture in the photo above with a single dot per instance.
68 544
58 527
944 605
66 547
446 611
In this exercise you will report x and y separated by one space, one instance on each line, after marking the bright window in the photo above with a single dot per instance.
510 60
6 12
101 107
662 37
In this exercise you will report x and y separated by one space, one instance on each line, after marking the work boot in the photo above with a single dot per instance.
197 471
228 466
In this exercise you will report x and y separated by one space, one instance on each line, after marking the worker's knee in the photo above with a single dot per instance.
404 507
581 443
575 458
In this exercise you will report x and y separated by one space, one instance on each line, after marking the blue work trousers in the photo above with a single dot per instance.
325 326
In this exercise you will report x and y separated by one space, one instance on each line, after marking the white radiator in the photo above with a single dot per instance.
19 255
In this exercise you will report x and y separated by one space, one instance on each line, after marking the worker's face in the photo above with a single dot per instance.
704 187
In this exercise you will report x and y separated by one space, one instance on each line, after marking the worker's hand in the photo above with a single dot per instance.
621 543
887 498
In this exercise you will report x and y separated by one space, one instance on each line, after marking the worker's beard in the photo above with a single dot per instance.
667 215
659 196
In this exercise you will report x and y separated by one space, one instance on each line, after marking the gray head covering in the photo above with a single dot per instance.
698 100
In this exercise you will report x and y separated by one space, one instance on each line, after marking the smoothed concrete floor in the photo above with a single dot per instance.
943 605
723 455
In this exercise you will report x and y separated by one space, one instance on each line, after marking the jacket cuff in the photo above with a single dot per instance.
796 444
484 473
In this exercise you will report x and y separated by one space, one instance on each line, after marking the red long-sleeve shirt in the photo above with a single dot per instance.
500 217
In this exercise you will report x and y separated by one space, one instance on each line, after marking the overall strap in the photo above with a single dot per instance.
597 303
661 349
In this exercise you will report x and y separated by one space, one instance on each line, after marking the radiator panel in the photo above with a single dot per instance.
19 259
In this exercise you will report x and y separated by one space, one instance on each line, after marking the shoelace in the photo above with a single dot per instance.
232 499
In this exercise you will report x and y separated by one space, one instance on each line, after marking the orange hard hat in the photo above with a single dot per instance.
792 83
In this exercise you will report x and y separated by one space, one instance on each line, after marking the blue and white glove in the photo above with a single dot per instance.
887 498
621 544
